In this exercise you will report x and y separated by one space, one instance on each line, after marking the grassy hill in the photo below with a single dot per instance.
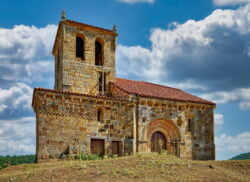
146 167
241 156
6 161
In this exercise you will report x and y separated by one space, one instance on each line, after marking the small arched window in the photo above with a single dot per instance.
99 115
98 53
189 125
79 47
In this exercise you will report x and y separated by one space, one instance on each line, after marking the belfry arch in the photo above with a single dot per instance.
165 130
99 51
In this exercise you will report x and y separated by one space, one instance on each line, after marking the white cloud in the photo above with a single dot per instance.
245 105
17 97
218 120
26 42
17 136
239 95
136 1
2 107
188 85
25 54
239 143
210 56
25 60
229 2
128 56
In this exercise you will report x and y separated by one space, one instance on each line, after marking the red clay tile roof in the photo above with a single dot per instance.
146 89
91 26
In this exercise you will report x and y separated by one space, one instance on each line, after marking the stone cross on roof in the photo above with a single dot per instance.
63 17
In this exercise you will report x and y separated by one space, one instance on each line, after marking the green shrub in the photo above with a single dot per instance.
7 160
86 157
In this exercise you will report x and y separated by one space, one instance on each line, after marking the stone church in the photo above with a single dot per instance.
90 110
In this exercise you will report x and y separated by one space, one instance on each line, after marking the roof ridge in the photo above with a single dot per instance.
152 84
162 85
179 90
127 79
73 21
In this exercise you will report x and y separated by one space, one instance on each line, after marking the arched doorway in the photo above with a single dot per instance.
158 142
167 133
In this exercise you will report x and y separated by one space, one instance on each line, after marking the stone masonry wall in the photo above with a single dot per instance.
194 122
82 75
66 123
198 143
58 63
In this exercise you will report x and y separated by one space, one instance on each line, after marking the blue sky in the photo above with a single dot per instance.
202 47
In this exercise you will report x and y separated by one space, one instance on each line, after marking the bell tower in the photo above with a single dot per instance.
84 57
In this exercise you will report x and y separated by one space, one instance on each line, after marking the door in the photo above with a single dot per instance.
158 142
97 146
116 147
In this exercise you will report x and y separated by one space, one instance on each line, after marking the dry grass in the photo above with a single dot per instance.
144 167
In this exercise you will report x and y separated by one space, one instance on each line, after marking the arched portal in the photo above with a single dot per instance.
163 133
158 142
